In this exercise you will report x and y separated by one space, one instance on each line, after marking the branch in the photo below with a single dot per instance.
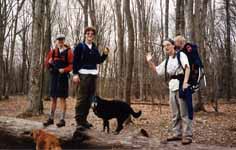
82 5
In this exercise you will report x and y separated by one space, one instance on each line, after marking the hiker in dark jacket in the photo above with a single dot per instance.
59 62
196 67
85 63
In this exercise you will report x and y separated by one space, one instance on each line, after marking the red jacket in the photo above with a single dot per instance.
60 60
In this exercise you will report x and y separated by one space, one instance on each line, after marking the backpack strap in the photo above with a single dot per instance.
166 75
82 53
66 56
53 54
179 61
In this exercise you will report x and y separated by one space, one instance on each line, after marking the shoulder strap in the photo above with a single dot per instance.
82 52
178 58
53 54
167 59
66 57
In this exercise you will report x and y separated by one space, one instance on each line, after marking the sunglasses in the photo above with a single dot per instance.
166 45
90 33
60 39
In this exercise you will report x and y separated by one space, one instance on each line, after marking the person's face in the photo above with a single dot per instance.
60 42
89 36
179 44
169 48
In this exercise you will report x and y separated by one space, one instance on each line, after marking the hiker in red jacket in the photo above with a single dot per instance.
59 62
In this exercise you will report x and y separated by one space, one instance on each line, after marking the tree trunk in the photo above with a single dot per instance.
120 41
85 7
200 36
141 43
228 51
167 19
3 24
92 13
23 65
35 103
9 74
162 29
15 133
189 20
46 47
180 23
130 50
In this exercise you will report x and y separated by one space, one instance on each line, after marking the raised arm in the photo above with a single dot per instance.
160 69
150 63
104 55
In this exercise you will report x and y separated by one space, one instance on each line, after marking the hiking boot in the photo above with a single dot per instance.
48 122
62 123
187 140
80 128
174 138
84 124
87 125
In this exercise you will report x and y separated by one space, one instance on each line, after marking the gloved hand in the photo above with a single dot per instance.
76 79
185 86
61 70
106 50
148 57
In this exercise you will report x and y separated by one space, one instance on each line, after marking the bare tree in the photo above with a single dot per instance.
5 11
189 20
35 102
120 43
85 6
167 20
8 77
45 76
180 23
200 38
130 49
228 50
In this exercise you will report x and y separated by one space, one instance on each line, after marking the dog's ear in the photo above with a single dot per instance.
36 133
98 98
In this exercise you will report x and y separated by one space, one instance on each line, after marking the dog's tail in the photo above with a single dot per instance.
136 114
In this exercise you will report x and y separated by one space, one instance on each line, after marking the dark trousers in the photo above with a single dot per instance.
187 96
59 85
87 89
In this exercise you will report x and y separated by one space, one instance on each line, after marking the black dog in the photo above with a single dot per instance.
112 109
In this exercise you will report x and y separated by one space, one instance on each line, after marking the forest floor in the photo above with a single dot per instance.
212 131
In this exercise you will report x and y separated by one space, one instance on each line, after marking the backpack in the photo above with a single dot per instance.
53 68
66 56
196 67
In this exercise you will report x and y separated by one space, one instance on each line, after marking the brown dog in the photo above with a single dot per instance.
45 140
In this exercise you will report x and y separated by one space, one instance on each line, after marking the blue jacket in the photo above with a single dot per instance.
85 58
